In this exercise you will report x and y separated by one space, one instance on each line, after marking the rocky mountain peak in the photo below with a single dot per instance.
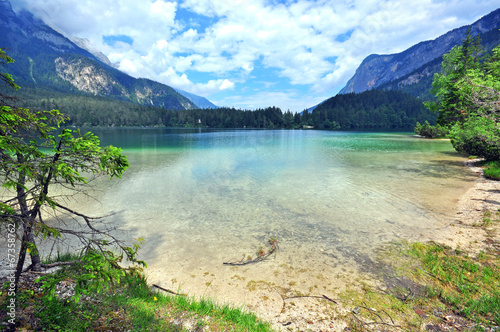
85 44
7 13
377 70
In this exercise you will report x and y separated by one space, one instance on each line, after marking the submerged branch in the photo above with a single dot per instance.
262 254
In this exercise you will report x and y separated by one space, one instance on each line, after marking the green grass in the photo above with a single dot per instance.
429 285
133 306
61 257
492 170
142 302
470 286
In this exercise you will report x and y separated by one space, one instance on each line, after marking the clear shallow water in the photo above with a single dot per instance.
201 198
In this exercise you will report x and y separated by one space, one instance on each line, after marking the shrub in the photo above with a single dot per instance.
477 136
429 131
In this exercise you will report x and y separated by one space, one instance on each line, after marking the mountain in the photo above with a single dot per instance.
85 44
201 102
413 69
419 82
44 58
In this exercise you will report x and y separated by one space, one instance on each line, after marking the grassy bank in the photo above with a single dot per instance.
431 287
132 306
492 170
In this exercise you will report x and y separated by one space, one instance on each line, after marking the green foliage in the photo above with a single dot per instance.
35 156
478 136
368 110
32 151
62 257
468 99
63 315
426 130
92 273
132 305
268 118
451 103
492 170
4 77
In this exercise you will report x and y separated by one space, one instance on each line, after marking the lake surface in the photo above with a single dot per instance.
201 198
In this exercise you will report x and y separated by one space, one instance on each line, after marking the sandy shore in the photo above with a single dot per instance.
465 231
478 200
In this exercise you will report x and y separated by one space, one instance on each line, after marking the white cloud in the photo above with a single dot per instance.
218 8
226 84
296 40
128 66
164 10
248 67
144 22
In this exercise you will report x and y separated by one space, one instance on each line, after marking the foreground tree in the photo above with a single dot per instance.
36 157
446 86
6 79
479 133
468 99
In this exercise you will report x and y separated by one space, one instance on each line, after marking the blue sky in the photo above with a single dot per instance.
248 54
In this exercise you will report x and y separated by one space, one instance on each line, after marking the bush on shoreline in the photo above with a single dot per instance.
428 131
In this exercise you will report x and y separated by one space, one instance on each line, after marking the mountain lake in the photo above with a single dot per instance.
202 197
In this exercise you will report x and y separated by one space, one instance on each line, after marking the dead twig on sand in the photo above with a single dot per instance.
168 290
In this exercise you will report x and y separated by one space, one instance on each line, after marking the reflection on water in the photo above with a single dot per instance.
204 197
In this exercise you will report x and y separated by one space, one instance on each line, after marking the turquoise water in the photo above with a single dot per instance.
200 198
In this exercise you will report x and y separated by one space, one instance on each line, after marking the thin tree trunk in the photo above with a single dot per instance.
27 239
27 223
21 199
20 260
28 217
36 263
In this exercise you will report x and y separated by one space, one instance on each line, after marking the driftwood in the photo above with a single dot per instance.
48 266
261 254
168 290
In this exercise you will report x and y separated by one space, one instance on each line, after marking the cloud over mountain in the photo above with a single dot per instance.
302 50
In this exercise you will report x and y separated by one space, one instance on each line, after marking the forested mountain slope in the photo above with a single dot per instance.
373 109
46 59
